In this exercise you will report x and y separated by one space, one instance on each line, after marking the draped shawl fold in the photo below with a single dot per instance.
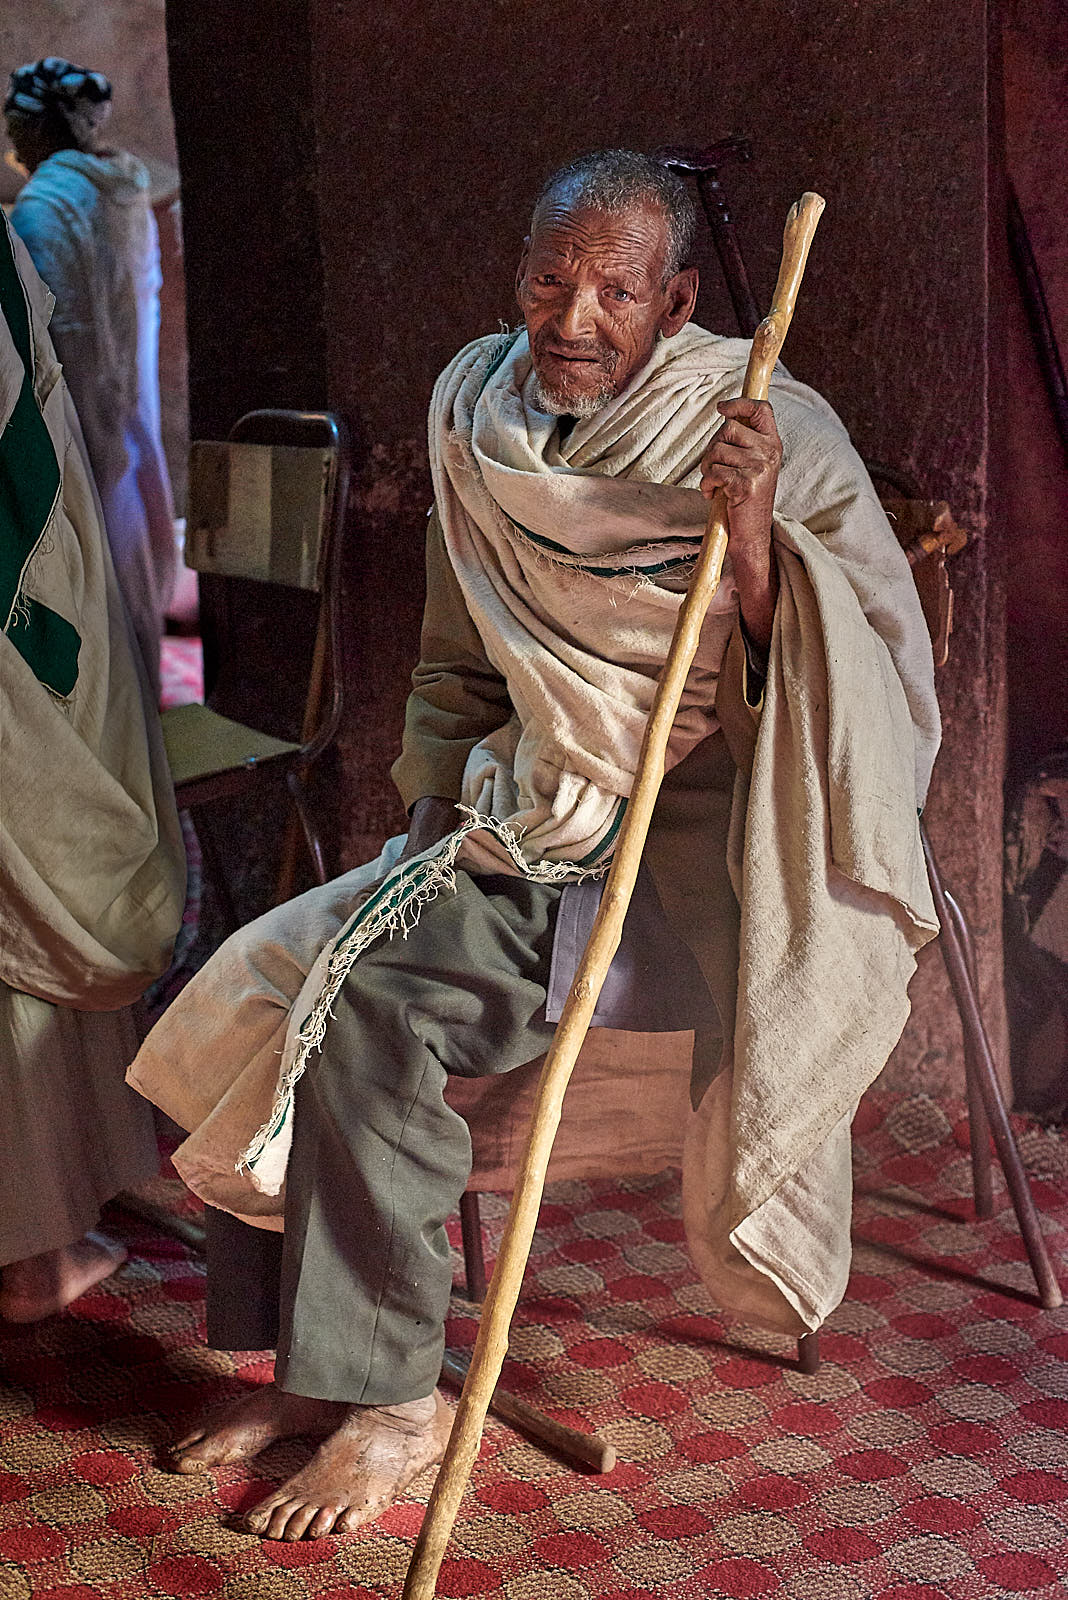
92 867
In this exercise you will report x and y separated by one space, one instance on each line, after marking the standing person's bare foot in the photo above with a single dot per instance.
42 1285
362 1467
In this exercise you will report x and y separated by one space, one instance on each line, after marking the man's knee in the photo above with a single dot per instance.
273 955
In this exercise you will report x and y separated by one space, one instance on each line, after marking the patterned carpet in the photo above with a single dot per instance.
926 1459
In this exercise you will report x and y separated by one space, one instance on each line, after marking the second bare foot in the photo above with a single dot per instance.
245 1426
359 1470
44 1284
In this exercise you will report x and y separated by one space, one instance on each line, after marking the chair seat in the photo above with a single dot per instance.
201 744
625 1113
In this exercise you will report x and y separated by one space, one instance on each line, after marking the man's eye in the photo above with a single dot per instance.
547 280
621 294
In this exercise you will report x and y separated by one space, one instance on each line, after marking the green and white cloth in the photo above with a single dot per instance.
92 868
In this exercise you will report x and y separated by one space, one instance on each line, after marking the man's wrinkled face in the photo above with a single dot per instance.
594 298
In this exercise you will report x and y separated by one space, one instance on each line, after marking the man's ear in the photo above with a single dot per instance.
681 291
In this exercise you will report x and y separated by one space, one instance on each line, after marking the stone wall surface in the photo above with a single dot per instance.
1036 490
408 142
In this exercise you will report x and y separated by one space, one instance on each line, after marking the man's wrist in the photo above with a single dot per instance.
431 811
752 560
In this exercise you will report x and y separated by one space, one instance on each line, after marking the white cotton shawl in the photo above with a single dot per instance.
92 865
572 556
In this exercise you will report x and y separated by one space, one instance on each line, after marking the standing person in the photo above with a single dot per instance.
91 861
85 218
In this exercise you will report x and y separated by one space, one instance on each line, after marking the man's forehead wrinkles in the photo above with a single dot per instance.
633 257
611 259
630 241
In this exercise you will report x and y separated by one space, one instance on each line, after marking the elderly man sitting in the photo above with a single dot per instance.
569 463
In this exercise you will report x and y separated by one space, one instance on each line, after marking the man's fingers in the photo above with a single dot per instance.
736 484
733 455
734 431
755 414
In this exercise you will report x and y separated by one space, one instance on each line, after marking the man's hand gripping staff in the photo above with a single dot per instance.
740 485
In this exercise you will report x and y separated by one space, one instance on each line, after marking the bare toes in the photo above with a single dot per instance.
258 1519
351 1519
300 1520
189 1441
203 1451
324 1521
279 1518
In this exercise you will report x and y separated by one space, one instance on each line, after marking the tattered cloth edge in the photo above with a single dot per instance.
394 905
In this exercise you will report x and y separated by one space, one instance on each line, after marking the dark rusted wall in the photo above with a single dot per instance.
433 127
241 91
1036 126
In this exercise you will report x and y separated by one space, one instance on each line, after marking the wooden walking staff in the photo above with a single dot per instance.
492 1343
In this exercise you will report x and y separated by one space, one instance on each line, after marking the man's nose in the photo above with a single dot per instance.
578 319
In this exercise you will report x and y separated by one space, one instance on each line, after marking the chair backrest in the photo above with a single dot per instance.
259 511
928 534
267 510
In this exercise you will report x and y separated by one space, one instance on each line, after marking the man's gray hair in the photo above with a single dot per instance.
616 180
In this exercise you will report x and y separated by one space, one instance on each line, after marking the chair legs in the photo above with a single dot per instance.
808 1345
212 856
978 1125
808 1353
984 1088
474 1259
986 1115
295 785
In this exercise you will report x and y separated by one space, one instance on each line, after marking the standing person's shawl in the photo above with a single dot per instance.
86 220
571 557
92 867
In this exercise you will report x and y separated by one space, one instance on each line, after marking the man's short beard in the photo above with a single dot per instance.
558 401
558 404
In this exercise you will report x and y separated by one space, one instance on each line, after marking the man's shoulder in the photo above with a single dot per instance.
486 352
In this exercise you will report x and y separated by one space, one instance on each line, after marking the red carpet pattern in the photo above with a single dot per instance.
926 1459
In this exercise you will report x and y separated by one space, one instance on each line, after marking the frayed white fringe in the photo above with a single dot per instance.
402 895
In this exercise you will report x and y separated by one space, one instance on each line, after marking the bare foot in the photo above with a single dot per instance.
359 1470
249 1424
44 1284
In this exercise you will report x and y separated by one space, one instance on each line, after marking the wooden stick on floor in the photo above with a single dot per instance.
492 1342
588 1449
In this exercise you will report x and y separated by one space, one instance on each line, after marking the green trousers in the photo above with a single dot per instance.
379 1160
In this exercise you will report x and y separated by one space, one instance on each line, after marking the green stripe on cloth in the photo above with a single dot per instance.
507 341
30 483
631 571
607 843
